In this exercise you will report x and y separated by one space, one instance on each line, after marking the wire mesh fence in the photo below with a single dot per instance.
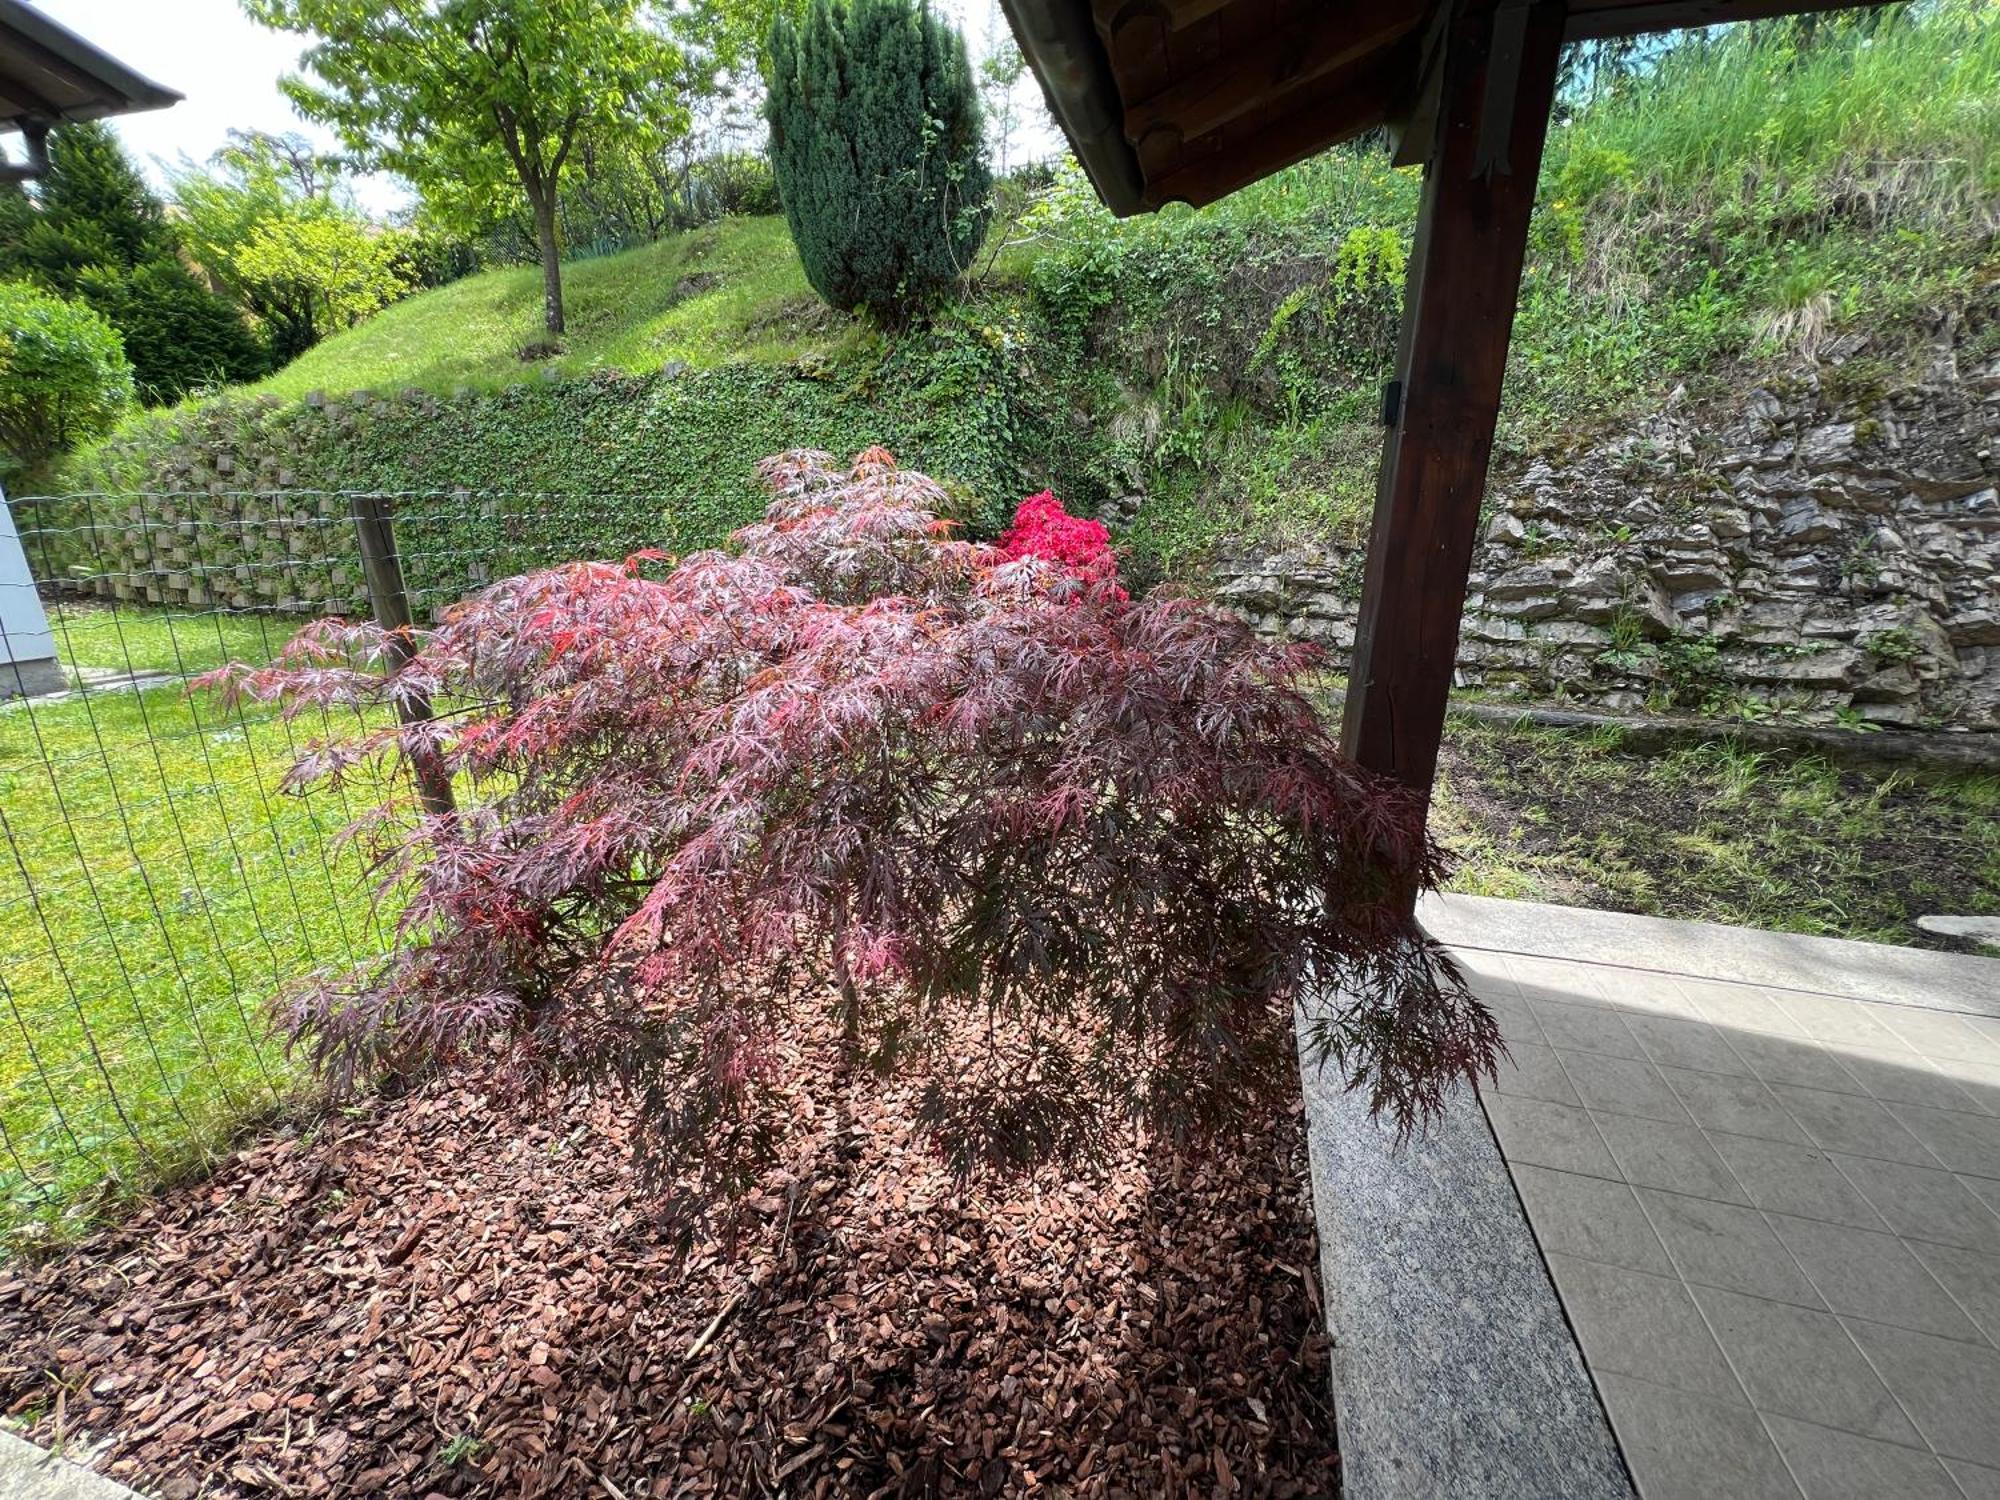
156 887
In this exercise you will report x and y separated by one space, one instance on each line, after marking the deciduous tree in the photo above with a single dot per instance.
469 99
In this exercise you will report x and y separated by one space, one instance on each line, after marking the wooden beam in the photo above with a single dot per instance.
1497 83
1592 19
1286 59
1113 15
1347 103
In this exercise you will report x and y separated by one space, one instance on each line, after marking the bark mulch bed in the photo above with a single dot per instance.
435 1296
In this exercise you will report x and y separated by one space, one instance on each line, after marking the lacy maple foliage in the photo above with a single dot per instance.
1067 860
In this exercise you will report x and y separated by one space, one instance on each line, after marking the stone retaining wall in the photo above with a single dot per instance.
1827 545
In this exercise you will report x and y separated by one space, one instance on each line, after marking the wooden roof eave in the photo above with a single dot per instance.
1060 44
50 75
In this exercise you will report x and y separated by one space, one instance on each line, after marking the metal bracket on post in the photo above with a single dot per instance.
389 599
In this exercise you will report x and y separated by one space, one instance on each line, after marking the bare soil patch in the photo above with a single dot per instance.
432 1296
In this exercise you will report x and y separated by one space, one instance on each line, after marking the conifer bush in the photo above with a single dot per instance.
1066 859
878 147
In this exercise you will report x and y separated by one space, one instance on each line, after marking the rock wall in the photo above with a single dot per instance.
1827 545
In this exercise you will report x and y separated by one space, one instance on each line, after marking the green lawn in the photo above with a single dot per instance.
157 891
733 291
1715 832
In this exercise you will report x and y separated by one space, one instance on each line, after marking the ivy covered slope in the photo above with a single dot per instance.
1197 378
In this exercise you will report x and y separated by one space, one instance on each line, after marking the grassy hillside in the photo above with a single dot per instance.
1214 375
732 291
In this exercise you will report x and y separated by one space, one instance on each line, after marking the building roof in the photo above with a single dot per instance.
49 75
1188 100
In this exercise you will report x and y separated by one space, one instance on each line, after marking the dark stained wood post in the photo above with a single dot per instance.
1497 81
389 598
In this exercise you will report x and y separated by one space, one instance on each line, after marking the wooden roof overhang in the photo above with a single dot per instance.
1185 101
51 76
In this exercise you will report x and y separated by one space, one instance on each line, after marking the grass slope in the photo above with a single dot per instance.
732 291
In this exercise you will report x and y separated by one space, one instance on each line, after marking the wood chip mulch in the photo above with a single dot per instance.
434 1296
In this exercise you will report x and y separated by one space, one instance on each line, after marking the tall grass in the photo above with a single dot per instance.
1895 110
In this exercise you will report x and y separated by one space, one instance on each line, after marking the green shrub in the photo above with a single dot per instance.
95 231
881 164
178 335
63 375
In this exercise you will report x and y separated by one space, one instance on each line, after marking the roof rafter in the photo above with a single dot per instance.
1285 61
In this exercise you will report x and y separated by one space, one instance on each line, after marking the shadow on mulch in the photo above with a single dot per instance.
433 1296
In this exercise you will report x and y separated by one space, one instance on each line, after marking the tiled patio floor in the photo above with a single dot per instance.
1773 1219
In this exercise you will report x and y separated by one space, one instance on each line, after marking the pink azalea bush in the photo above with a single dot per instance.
1080 547
1068 860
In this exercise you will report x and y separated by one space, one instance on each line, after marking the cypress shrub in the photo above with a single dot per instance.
880 159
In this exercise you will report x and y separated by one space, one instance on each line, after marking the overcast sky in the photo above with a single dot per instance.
227 66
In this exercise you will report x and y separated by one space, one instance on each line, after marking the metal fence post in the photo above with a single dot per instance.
382 571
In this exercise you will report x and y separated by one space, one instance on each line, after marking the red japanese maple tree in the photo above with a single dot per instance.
1071 859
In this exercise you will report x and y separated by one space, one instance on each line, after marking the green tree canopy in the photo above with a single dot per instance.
876 140
63 376
473 99
270 223
94 230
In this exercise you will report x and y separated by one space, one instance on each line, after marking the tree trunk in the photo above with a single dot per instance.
545 239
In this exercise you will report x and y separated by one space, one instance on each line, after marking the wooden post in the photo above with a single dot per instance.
1498 70
389 598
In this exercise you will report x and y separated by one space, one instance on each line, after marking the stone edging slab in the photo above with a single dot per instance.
1454 1368
27 1473
1781 960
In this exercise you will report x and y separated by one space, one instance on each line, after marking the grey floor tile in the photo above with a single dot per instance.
1584 1027
1951 1390
1588 1216
1675 1158
1985 1189
1973 1279
1548 1135
1873 1276
1801 1363
1935 1033
1726 1245
1977 1482
1783 1059
1554 978
1832 1465
1906 1080
1852 1125
1741 1007
1924 1203
1621 1085
1647 992
1532 1071
1686 1447
1791 1179
1518 1026
1732 1103
1846 1023
1484 971
1630 1323
1675 1043
1962 1141
1979 1081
